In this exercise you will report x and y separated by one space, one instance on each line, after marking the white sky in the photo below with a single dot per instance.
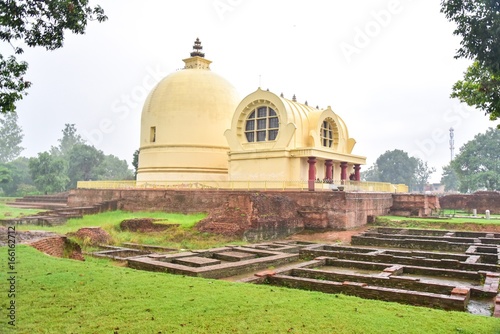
386 67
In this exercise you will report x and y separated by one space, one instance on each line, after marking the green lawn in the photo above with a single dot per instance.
456 220
111 220
473 224
66 296
7 211
182 237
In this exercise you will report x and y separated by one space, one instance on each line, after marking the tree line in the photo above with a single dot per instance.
476 167
56 170
45 23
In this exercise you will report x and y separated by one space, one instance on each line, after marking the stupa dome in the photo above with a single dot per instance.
183 123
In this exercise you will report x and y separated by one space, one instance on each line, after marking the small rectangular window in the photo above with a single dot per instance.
152 134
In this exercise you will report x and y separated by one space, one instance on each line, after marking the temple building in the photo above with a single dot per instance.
196 128
183 123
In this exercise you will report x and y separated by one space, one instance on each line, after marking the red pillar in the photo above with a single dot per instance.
312 173
343 171
329 169
357 176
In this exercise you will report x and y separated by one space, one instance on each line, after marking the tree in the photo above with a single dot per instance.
77 161
112 168
20 177
422 174
49 173
398 167
481 89
36 23
135 162
478 23
5 176
449 179
83 164
478 163
12 83
69 139
371 174
11 136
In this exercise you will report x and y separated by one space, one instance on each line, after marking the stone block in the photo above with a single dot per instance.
234 256
266 273
354 284
196 261
460 291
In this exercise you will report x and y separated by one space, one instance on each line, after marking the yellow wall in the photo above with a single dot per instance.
298 138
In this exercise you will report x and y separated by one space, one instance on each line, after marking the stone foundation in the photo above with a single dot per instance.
255 215
247 214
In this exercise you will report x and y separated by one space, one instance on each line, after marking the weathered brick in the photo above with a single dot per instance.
266 273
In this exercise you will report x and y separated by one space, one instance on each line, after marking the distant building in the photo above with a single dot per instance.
435 188
195 127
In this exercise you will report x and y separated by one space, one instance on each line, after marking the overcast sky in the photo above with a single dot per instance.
386 67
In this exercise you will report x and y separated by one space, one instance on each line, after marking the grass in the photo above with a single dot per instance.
183 237
111 220
467 224
454 220
66 296
7 211
463 213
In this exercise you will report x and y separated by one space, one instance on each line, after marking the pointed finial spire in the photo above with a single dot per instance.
294 98
281 95
197 60
306 103
197 49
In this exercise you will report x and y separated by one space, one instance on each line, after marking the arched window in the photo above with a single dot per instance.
262 125
326 134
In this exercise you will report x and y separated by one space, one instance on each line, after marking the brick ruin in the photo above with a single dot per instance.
416 205
261 215
481 201
442 269
414 273
58 246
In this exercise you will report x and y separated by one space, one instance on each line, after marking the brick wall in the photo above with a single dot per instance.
59 246
414 204
253 215
481 200
258 215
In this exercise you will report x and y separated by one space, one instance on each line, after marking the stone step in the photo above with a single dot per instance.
36 205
